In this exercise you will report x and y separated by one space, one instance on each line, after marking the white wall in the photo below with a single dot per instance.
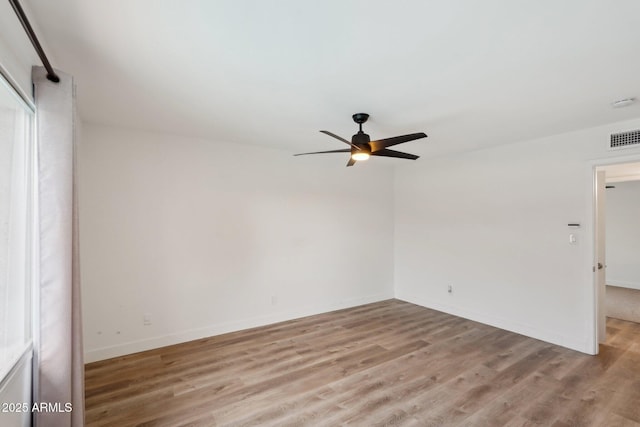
623 303
623 234
493 224
211 237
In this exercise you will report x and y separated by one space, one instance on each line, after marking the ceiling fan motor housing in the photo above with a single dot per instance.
361 140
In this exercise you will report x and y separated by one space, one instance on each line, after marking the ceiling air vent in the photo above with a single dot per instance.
625 139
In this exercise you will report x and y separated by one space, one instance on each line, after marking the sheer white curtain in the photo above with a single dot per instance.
59 378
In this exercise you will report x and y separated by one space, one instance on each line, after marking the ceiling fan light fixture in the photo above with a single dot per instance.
360 156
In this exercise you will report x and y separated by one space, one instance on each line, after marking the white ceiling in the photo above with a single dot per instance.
468 73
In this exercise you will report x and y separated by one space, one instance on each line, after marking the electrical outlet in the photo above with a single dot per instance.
450 289
274 299
146 319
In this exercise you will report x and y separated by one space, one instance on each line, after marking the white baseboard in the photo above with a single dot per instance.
93 355
583 346
623 284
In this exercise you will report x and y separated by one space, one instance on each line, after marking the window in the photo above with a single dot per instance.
16 205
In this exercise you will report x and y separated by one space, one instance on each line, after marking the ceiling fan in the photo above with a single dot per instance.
362 147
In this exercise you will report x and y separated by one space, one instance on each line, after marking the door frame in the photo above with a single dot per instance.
599 310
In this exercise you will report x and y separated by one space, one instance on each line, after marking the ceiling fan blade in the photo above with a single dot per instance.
388 142
326 132
346 150
392 153
351 162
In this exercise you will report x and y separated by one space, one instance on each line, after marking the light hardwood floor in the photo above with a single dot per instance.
388 363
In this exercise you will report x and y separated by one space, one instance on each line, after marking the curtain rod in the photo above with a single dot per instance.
51 74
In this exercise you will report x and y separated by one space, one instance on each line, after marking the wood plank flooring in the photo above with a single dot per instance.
388 363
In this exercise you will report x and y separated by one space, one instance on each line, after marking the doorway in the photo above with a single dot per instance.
616 244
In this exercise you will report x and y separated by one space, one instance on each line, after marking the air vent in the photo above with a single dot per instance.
625 139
